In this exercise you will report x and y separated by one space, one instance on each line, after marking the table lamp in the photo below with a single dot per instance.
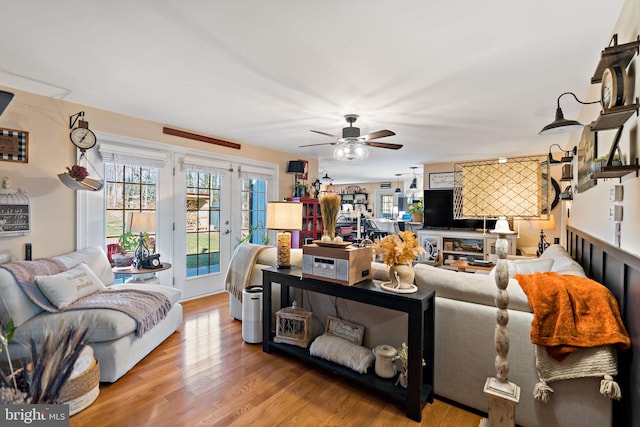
142 222
284 216
542 225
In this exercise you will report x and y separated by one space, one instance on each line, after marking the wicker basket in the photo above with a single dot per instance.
81 391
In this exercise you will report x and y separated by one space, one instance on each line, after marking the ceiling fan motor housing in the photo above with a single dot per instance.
350 132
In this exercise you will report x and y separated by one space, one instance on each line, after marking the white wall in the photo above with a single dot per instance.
589 210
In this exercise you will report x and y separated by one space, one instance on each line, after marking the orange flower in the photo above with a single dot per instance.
399 248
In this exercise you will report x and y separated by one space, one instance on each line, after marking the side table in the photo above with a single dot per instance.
146 275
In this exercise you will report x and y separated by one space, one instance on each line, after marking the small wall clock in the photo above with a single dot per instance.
612 92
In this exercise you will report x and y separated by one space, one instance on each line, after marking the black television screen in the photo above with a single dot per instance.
438 213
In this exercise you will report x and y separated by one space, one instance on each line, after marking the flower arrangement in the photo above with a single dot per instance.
399 248
329 209
77 172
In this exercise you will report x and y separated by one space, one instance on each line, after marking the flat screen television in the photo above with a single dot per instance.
438 213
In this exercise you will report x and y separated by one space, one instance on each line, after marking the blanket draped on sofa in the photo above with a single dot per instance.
239 272
572 313
147 308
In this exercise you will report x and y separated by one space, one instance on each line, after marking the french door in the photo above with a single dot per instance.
202 236
205 205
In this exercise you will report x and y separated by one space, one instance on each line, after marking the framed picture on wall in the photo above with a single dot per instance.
14 145
441 180
587 152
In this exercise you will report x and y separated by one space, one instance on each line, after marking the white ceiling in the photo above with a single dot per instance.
455 80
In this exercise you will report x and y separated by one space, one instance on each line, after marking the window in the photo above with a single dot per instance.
386 206
127 189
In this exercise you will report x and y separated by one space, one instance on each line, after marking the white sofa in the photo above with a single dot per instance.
111 333
465 350
464 342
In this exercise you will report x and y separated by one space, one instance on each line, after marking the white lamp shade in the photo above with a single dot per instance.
284 216
142 222
502 227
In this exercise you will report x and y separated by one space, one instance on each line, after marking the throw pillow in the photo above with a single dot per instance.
526 266
64 288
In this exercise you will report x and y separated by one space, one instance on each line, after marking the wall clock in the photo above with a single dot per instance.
83 137
612 90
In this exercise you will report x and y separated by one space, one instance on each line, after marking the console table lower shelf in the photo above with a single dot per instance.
419 307
369 379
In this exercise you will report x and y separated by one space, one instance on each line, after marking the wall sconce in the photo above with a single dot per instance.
567 157
284 216
560 124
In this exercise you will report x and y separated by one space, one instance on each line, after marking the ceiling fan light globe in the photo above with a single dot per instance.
350 152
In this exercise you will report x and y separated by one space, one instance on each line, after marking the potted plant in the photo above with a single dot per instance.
127 244
417 211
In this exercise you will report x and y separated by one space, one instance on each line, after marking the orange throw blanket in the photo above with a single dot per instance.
570 312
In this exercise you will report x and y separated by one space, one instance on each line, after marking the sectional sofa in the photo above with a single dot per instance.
464 340
112 334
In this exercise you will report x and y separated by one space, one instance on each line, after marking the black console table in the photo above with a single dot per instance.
419 306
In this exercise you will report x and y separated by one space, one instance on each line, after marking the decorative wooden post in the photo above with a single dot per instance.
503 395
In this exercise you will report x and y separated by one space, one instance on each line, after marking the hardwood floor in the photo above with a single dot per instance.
205 374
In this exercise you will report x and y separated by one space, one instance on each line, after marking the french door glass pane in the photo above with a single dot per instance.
203 223
253 210
128 189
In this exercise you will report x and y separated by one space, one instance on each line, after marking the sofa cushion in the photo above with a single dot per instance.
562 261
104 324
15 304
469 287
64 288
525 266
529 266
173 294
96 259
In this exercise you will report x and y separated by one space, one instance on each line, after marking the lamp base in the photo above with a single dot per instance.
283 267
283 250
543 244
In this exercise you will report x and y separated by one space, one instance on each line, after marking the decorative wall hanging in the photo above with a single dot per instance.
15 211
77 176
14 145
587 149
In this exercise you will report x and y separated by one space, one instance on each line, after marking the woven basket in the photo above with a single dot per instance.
81 391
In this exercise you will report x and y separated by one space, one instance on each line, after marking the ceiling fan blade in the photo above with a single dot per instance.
323 143
324 133
379 134
384 145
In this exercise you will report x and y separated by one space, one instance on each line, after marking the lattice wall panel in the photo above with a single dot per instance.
492 189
